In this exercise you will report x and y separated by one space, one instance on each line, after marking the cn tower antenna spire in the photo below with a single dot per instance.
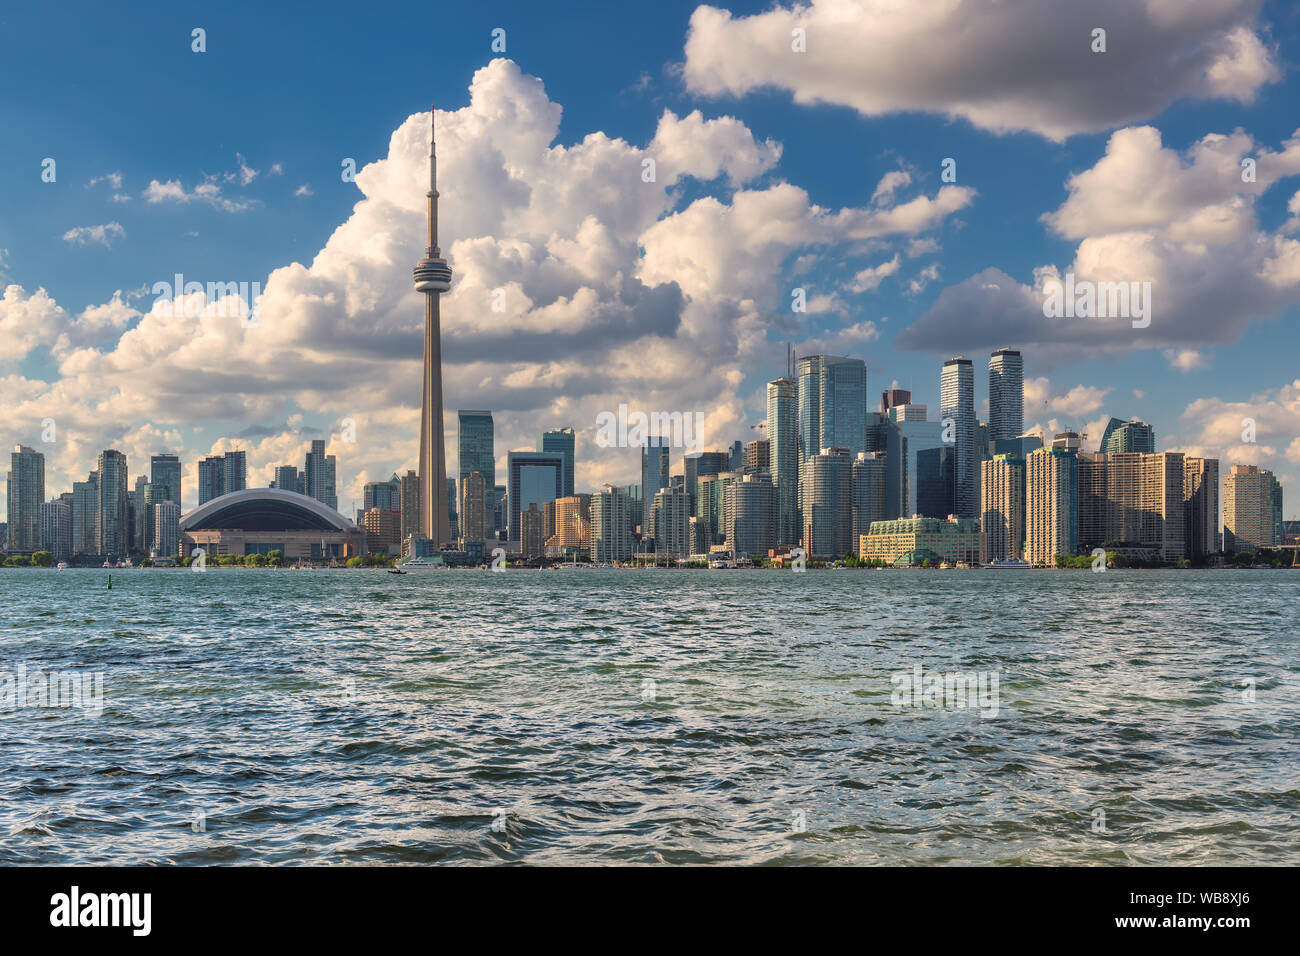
433 252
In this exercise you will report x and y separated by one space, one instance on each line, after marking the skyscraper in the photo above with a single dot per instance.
85 506
751 516
473 508
783 453
758 455
26 492
906 445
611 525
1006 394
475 443
432 278
286 477
696 466
672 523
212 478
531 541
56 529
655 463
234 472
111 514
535 478
1247 509
410 504
868 493
826 485
319 471
1051 505
559 441
165 476
957 403
832 404
166 529
1201 506
1002 522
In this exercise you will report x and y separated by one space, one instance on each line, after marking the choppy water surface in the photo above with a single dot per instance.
652 717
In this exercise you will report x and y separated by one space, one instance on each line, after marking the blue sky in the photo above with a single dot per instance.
225 166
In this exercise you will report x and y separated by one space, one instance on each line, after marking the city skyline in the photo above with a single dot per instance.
885 257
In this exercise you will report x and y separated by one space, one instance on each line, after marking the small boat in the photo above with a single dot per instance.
63 565
1013 565
396 571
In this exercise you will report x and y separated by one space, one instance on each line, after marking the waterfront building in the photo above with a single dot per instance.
751 509
1201 507
1002 518
383 529
611 526
111 532
826 482
1006 395
166 520
783 456
56 529
1051 505
1248 509
671 523
951 540
957 403
85 506
26 493
1133 500
262 520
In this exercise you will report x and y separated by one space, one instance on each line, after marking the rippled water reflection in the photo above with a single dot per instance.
652 717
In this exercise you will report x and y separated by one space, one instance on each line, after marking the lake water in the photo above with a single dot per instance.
591 717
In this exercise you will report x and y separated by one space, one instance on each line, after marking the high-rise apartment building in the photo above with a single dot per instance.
1051 505
891 397
826 484
572 532
704 463
1133 499
1201 507
409 493
166 541
957 404
212 478
1006 395
1002 519
758 455
611 526
85 506
165 476
783 455
286 477
111 532
56 529
319 473
26 493
234 471
531 542
476 444
909 469
751 509
672 523
1248 509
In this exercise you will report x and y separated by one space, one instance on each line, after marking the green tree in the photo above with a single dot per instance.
275 558
42 559
356 561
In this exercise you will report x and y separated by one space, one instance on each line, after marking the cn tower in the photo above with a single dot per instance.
433 277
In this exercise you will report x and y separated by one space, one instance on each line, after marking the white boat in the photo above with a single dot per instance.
1015 564
421 564
63 565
